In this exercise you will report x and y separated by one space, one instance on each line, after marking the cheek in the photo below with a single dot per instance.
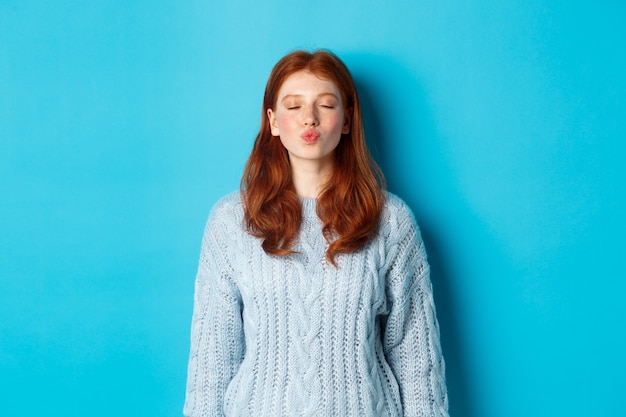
335 121
285 121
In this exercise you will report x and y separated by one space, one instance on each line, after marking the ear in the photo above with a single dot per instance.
271 117
347 121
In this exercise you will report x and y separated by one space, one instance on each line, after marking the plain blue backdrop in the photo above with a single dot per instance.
502 124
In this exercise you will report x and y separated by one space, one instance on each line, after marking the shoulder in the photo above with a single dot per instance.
396 206
396 214
397 223
227 212
230 204
401 236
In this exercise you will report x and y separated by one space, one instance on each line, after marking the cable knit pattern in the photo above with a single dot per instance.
295 336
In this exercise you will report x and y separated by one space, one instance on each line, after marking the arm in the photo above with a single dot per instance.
411 338
217 341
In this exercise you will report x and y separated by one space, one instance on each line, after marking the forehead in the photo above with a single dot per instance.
306 83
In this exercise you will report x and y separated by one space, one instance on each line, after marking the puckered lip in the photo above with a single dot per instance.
310 135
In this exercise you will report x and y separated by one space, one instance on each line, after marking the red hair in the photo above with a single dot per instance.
350 203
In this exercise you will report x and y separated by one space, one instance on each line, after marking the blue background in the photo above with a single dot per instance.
502 124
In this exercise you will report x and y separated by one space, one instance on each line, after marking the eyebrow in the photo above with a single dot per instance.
300 95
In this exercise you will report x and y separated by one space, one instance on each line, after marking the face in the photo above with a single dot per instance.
309 118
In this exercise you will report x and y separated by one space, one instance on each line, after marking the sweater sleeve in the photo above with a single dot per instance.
217 340
411 332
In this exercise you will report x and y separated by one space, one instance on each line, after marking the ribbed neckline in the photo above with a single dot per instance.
308 207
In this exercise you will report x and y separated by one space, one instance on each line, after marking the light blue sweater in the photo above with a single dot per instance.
295 336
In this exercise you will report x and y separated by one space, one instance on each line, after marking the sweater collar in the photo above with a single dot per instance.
308 207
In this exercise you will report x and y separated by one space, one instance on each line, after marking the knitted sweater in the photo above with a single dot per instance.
295 336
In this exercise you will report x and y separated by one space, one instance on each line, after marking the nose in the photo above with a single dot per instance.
310 116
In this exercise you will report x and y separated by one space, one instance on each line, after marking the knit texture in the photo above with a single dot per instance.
295 336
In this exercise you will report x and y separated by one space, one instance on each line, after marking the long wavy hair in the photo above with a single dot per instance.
349 204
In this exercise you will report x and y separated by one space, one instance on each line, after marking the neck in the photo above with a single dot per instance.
309 178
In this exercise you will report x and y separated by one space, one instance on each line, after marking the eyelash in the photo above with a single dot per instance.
297 107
